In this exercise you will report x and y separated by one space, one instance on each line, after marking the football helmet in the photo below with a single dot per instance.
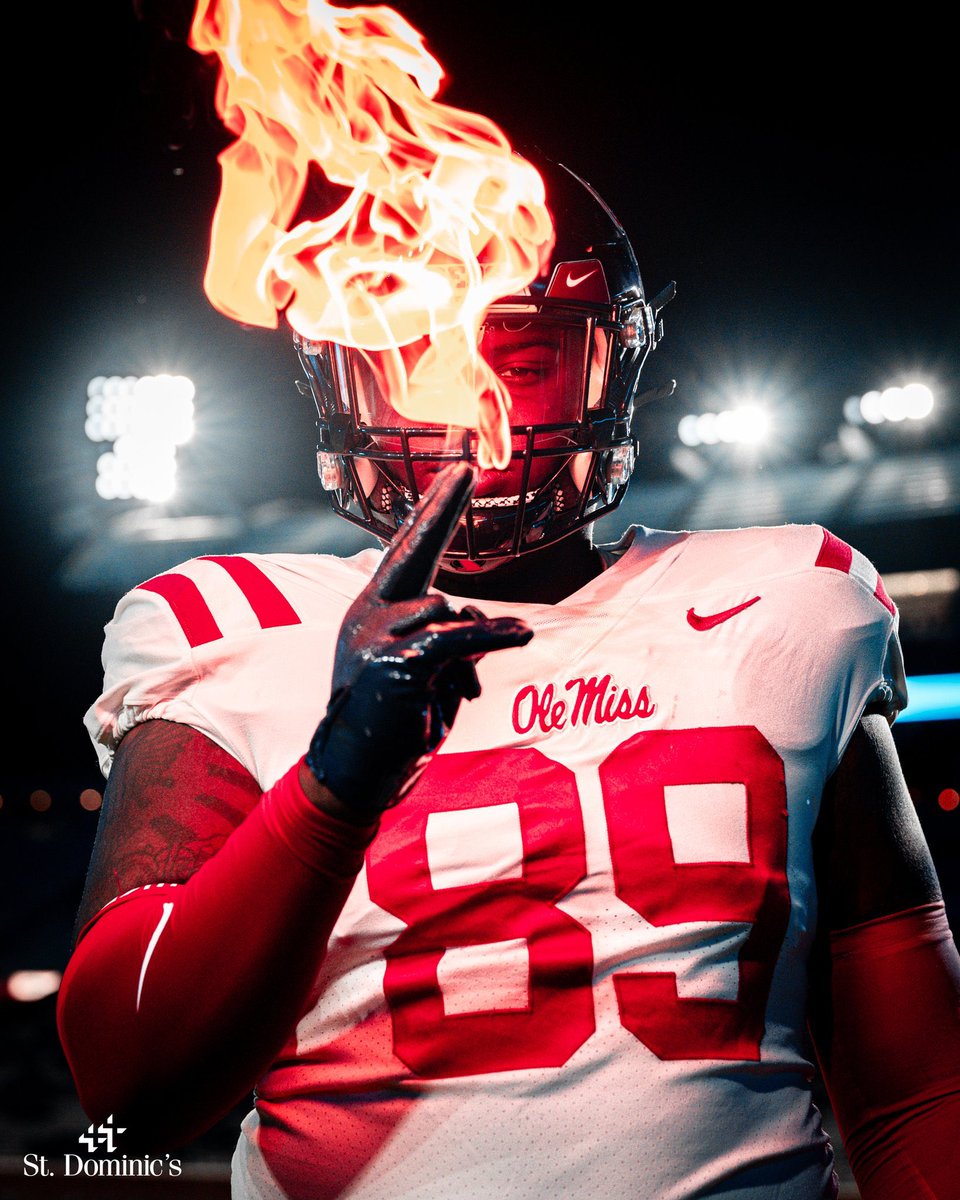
569 349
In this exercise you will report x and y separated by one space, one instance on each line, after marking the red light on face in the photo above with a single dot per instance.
949 799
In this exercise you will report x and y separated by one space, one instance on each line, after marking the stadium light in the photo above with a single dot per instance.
745 425
912 402
146 419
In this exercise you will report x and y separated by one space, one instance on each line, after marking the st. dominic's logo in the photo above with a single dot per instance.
102 1158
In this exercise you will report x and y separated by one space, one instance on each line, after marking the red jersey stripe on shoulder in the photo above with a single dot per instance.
270 606
834 553
881 594
188 605
837 554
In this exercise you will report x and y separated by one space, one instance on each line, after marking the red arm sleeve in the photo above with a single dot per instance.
179 996
892 1062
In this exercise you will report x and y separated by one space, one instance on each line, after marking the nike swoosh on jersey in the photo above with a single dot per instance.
712 619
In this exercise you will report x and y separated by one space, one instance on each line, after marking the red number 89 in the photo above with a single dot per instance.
559 1016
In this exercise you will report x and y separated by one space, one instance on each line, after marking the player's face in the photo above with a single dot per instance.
541 364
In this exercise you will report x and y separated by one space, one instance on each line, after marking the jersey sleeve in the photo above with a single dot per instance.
874 680
239 647
149 672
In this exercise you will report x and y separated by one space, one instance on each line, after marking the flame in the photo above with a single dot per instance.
440 219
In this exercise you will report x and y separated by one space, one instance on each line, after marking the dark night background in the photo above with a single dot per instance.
798 182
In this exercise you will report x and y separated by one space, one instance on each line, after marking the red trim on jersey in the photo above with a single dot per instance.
270 606
188 605
881 594
834 553
837 554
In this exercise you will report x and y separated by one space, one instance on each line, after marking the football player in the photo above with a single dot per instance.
587 933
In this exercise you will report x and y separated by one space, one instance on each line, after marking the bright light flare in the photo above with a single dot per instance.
747 425
146 419
917 401
439 218
912 402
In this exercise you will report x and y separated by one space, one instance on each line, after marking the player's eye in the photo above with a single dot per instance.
527 370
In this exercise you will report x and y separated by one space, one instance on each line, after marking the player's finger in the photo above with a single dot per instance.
407 615
472 639
411 560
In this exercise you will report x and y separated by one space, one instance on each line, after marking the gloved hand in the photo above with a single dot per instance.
404 661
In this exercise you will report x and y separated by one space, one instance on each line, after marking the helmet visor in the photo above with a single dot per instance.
543 364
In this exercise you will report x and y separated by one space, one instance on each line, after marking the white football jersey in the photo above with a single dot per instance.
575 961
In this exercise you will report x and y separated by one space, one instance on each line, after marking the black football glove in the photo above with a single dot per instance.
404 662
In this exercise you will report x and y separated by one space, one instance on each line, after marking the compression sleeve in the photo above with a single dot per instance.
179 996
892 1066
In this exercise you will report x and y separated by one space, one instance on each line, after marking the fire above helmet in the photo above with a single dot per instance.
569 350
